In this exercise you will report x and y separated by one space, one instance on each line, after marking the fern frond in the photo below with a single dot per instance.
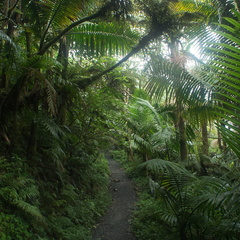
31 66
30 210
51 127
51 98
69 193
25 187
55 154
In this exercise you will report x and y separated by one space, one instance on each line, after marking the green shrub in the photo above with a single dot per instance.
34 209
13 227
119 155
146 222
81 203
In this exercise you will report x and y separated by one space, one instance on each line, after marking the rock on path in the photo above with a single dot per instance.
115 224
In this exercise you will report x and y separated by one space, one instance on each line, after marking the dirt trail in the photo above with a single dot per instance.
115 224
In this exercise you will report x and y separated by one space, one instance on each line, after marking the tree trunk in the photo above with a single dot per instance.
237 4
62 111
182 138
32 143
62 57
4 79
28 36
205 144
221 143
174 48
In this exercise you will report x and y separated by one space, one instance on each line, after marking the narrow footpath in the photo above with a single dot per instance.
115 224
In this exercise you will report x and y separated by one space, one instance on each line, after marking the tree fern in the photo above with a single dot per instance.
195 207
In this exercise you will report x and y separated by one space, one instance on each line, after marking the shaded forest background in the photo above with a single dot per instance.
154 82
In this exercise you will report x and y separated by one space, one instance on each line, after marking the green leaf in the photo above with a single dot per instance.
161 166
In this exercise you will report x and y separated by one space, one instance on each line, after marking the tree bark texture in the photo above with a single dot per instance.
205 143
182 139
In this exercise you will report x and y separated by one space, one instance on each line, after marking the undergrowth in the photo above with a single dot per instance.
174 203
33 208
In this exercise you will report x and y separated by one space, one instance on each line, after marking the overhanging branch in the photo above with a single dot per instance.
83 83
100 13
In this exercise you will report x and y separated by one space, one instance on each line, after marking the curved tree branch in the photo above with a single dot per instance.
100 13
83 83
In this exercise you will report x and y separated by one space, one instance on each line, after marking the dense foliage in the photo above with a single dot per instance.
65 101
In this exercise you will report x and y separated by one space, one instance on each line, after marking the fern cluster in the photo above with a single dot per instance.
31 209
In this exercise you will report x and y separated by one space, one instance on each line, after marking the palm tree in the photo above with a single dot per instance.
54 129
149 133
161 20
177 84
44 25
191 207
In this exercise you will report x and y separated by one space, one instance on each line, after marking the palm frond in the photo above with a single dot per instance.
228 75
177 82
168 217
150 133
101 39
142 142
196 115
147 104
60 13
64 11
162 136
200 202
162 166
203 7
6 38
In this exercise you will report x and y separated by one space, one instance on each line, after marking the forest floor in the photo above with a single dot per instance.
115 224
